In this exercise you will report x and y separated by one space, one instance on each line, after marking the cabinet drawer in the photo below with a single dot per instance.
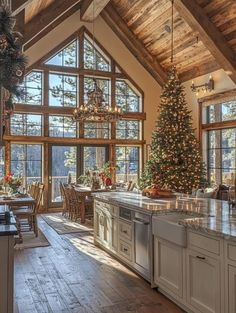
204 243
125 250
231 251
106 207
125 230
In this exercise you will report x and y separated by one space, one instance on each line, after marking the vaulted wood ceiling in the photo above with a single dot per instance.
204 31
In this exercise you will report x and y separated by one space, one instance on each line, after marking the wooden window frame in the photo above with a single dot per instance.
205 127
45 110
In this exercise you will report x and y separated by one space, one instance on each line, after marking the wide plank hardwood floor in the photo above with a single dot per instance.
74 276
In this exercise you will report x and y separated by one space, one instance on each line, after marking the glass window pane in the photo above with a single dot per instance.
97 130
228 158
32 89
214 113
228 110
214 138
26 160
128 129
93 58
103 84
62 90
64 163
26 124
126 97
66 57
62 126
94 158
222 155
127 159
228 138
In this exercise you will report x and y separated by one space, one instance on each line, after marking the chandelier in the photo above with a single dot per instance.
96 109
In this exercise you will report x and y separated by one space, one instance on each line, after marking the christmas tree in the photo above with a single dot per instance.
175 160
12 62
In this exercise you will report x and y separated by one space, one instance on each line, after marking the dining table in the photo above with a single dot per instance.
17 201
85 193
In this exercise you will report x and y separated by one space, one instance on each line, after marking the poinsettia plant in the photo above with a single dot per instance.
12 181
106 173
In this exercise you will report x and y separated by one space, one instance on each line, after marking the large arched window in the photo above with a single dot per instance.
53 87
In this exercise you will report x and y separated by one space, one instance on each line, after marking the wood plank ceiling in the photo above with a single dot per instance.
150 21
149 25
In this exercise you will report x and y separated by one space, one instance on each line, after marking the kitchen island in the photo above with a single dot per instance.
7 232
184 246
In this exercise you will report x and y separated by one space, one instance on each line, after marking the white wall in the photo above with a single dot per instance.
222 83
119 52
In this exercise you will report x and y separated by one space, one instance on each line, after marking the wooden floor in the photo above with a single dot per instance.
74 276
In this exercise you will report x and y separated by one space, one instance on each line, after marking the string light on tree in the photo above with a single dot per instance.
175 161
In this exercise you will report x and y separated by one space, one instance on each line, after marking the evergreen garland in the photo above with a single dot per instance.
175 160
12 60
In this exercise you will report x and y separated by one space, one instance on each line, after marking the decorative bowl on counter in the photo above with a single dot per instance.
157 192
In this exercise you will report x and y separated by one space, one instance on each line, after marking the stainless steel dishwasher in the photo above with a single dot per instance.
142 244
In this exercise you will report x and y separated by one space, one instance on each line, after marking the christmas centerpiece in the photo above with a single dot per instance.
11 182
175 160
107 173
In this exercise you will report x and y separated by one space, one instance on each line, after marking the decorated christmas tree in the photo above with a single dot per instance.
175 160
12 63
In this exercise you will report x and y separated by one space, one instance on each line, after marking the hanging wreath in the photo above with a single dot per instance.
12 61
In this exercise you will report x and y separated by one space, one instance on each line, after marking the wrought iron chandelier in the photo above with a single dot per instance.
96 109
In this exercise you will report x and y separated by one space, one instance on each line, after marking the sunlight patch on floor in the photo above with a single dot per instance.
96 253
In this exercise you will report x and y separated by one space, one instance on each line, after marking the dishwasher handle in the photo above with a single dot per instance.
140 221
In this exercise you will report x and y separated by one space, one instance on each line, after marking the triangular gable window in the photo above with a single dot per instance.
66 57
94 58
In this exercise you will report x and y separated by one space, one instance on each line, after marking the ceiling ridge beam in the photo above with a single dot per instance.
48 19
135 46
209 34
90 9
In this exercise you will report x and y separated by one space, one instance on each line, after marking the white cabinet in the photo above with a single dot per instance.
231 277
168 267
203 283
106 225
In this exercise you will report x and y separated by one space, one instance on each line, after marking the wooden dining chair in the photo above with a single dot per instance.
129 185
27 217
72 203
65 207
87 202
33 189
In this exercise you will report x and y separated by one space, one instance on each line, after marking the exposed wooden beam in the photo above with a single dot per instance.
90 9
88 141
20 22
48 19
220 96
212 38
19 5
196 71
136 47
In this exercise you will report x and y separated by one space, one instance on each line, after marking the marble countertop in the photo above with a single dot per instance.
206 215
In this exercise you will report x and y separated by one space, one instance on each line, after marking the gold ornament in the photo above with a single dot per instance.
19 73
3 43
